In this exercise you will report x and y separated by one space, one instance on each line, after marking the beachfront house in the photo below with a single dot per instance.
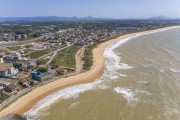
23 82
11 88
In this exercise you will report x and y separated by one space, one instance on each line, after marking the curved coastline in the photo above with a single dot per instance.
26 102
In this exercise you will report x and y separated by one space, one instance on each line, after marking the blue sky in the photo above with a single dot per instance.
95 8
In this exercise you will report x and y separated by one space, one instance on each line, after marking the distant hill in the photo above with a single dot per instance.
160 18
47 19
56 19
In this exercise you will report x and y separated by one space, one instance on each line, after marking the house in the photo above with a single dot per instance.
1 87
4 83
32 63
16 56
80 43
21 51
12 71
6 71
11 88
1 60
3 72
24 76
13 57
20 65
23 81
17 37
23 36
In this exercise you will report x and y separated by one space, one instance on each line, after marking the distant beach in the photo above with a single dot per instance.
26 102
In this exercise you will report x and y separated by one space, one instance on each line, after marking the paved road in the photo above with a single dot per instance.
12 98
46 55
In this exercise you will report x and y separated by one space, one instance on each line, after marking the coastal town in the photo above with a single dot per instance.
33 54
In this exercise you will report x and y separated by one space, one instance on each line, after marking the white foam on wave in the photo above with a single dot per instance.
131 95
112 60
112 64
70 92
127 93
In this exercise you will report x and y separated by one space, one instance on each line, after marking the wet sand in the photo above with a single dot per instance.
26 102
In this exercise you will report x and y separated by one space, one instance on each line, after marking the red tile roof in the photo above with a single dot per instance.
23 80
12 86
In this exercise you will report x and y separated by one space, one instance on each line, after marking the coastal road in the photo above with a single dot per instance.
14 97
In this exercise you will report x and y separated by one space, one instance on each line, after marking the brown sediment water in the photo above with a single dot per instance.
133 88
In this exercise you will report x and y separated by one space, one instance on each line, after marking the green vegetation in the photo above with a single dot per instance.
16 99
3 97
15 48
6 64
42 61
88 56
40 53
65 57
17 117
43 70
28 50
1 36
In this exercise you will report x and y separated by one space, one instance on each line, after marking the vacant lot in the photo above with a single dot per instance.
15 48
40 53
42 61
66 57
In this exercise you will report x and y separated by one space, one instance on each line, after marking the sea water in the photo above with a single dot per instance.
141 82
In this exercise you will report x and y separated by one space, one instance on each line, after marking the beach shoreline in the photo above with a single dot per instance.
27 101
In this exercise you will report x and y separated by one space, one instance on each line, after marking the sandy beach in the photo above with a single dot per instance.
27 101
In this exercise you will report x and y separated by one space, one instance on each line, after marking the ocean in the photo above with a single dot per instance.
141 81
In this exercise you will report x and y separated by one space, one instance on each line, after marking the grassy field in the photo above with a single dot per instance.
66 57
42 61
15 48
6 65
88 56
28 50
40 53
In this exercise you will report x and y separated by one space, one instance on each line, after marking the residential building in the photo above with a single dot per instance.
4 83
11 88
1 60
23 82
3 72
6 71
1 87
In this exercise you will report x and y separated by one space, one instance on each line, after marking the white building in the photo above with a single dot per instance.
1 60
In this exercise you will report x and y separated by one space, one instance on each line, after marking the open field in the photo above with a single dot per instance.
37 54
6 65
42 61
15 48
66 57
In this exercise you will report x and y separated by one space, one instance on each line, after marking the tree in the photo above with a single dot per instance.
43 69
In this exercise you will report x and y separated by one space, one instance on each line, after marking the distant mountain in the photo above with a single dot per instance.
160 18
48 19
57 19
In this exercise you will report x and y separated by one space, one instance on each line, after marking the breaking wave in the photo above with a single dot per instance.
113 63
